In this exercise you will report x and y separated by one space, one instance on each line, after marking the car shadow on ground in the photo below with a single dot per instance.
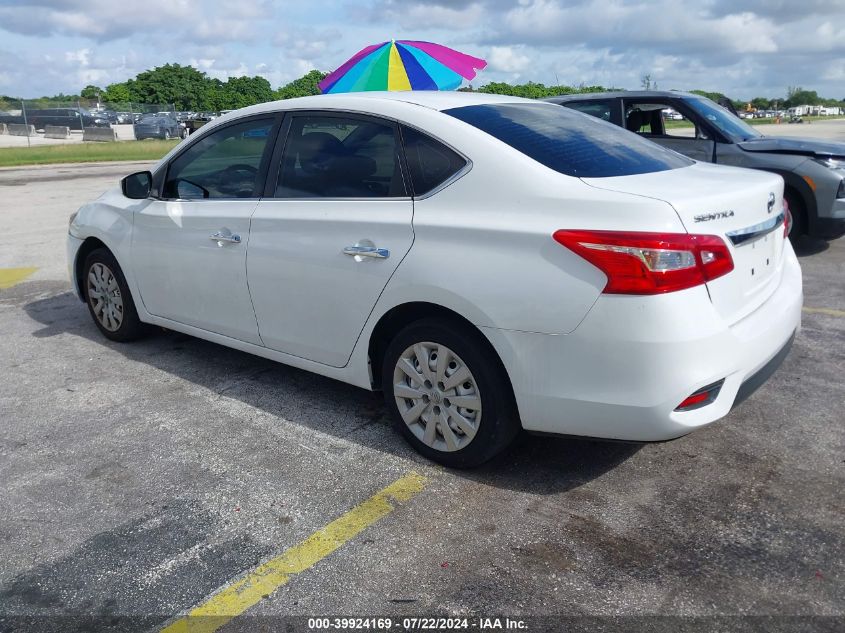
537 464
805 245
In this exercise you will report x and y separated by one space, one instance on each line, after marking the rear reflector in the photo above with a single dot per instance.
650 263
701 398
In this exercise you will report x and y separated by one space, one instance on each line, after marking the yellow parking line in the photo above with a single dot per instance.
11 276
827 311
236 598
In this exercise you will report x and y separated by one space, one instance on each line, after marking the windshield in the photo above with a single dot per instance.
731 126
569 142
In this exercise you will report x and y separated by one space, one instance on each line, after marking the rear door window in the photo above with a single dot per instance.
583 147
430 162
330 156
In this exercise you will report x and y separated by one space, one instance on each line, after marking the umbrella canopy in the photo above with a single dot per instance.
403 65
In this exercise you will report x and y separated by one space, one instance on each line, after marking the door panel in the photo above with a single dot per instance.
341 184
186 276
189 248
731 154
312 300
695 148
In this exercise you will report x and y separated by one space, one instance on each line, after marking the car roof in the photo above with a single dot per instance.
631 94
433 99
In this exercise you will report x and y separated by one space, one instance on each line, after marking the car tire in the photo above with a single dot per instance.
798 210
166 135
109 301
473 434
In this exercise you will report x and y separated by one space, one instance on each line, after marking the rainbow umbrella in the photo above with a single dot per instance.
403 65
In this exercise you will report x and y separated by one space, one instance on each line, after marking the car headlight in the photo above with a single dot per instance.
837 165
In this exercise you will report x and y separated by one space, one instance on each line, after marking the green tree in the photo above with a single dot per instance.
117 93
90 92
796 95
240 92
533 90
761 103
183 86
302 87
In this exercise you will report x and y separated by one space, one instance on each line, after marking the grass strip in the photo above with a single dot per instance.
84 152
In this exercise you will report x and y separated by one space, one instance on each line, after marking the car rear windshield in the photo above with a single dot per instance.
569 142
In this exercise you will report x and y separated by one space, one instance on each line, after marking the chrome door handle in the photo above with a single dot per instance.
367 251
234 238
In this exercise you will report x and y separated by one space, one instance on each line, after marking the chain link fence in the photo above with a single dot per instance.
41 119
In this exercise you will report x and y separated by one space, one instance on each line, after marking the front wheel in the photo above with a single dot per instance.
799 214
108 297
166 135
448 394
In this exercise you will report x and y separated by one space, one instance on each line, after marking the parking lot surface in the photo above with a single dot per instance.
143 481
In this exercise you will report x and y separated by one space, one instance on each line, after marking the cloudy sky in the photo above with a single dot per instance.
744 48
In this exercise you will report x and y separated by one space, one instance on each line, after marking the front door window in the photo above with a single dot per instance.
223 164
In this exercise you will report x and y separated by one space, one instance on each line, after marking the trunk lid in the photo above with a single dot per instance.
741 206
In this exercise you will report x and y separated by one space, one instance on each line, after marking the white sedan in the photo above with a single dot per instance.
491 263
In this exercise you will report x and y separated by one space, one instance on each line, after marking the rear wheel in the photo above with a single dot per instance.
447 393
166 134
108 297
799 214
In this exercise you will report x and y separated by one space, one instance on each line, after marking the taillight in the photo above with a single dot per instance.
787 219
650 263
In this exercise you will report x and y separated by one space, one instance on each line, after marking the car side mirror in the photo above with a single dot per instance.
137 186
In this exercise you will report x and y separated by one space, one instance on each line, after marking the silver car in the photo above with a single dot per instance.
813 171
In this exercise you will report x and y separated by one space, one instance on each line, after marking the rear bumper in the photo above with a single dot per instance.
624 370
759 378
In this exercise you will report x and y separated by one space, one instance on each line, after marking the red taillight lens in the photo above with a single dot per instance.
650 263
787 219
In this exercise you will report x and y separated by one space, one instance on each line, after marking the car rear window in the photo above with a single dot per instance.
570 142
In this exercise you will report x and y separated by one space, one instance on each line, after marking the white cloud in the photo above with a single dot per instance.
431 14
744 48
507 59
81 57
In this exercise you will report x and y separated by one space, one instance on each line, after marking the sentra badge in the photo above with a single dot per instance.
718 215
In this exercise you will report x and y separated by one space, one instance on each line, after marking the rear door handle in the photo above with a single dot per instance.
234 238
367 251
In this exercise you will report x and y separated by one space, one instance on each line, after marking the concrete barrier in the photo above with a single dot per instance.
99 134
56 131
3 129
19 129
